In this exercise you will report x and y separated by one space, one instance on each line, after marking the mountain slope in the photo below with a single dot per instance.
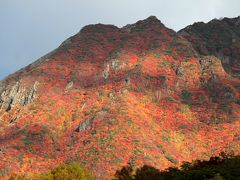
220 38
109 96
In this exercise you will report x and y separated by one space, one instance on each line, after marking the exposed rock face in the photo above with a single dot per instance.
88 123
179 71
106 72
114 65
17 95
85 125
2 86
69 86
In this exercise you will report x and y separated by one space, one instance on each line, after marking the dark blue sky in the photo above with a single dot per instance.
31 28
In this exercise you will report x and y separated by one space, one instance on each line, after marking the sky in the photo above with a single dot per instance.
30 29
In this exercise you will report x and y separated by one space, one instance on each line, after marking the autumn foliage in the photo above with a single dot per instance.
112 96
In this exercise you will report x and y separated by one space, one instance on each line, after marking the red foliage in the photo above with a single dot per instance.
128 93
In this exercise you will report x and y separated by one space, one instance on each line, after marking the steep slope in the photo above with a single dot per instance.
220 38
109 96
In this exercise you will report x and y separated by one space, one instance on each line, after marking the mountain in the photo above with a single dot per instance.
220 38
109 96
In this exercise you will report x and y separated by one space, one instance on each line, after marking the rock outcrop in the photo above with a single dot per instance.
69 86
17 95
85 125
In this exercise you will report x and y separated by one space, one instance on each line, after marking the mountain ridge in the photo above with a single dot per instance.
219 37
110 96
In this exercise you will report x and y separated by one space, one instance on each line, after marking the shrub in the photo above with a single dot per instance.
166 139
19 177
62 172
164 64
2 172
157 55
68 172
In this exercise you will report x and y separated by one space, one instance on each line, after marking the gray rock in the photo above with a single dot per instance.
179 71
2 86
69 86
88 123
31 95
106 72
111 96
125 91
214 78
85 125
114 65
17 95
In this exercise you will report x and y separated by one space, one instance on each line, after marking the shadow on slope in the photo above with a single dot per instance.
222 167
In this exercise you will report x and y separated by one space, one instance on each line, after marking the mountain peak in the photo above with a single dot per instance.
149 20
152 18
98 28
144 24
